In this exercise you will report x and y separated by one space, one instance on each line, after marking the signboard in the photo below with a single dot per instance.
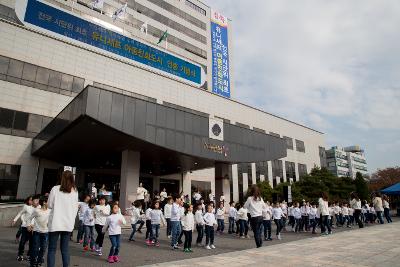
216 129
68 25
220 55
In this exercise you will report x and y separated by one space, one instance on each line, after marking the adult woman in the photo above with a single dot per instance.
255 205
63 202
324 213
386 208
378 206
355 204
141 192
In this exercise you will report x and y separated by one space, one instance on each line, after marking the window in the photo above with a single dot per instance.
300 146
261 169
6 118
240 181
9 178
29 72
277 170
290 170
289 142
274 134
78 84
20 120
302 170
66 82
196 7
4 61
242 125
15 68
249 175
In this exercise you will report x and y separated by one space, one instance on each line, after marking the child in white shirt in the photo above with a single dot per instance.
136 217
81 211
220 218
209 219
113 225
199 220
40 219
24 214
156 218
267 215
277 214
313 217
345 212
297 217
167 215
148 225
242 217
232 217
101 212
188 227
88 224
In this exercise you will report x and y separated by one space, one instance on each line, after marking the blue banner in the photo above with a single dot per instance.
68 25
220 60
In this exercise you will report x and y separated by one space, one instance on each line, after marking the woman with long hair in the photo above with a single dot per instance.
324 213
255 205
63 205
355 204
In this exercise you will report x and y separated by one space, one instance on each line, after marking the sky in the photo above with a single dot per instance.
331 65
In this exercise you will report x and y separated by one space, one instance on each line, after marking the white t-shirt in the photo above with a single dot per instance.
242 214
82 207
167 211
220 213
267 213
296 213
163 195
188 222
135 214
209 219
113 224
40 219
88 217
25 215
277 213
255 207
63 209
140 193
101 212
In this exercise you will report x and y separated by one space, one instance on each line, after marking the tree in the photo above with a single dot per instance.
383 178
266 190
361 186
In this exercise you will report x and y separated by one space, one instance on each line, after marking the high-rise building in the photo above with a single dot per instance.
346 161
134 92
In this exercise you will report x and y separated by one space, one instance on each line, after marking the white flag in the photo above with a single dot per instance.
143 28
119 12
97 4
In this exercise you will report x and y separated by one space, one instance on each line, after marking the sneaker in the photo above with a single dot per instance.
190 250
330 232
111 259
266 239
207 247
212 246
157 244
20 258
242 236
117 259
279 236
169 237
99 253
131 240
94 249
174 247
269 239
247 236
28 258
185 250
81 241
148 242
86 248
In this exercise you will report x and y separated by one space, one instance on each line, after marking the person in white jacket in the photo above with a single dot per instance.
199 220
24 214
113 225
324 214
81 210
232 213
297 217
88 225
63 203
39 221
101 212
220 216
134 211
188 227
167 215
209 219
267 216
255 205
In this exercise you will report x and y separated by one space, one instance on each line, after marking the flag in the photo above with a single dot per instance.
119 12
143 28
98 4
163 37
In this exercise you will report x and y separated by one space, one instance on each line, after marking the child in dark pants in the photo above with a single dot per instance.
187 227
148 225
209 219
198 217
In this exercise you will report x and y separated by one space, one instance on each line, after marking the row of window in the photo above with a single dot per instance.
20 123
27 74
196 7
290 170
300 146
9 178
180 13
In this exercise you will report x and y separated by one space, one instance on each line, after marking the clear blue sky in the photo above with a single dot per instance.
331 65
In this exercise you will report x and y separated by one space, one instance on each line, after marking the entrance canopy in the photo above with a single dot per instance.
94 129
393 190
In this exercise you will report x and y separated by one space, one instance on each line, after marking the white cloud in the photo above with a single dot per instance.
333 65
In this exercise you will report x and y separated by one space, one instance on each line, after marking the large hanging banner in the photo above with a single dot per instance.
220 55
68 25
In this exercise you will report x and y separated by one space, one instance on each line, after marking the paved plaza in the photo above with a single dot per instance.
371 246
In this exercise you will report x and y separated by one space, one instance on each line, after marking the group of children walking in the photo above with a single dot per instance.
100 218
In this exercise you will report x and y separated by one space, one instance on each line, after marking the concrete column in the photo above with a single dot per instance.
130 171
245 183
187 184
235 181
270 173
222 182
156 184
296 170
284 171
253 173
262 178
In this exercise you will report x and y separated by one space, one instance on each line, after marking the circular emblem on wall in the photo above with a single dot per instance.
216 129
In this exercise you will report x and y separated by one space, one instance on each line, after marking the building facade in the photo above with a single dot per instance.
48 58
346 161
